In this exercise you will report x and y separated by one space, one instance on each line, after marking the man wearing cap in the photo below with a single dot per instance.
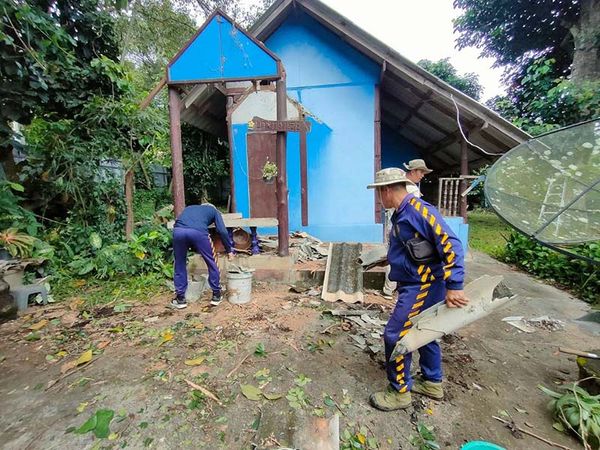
417 169
420 286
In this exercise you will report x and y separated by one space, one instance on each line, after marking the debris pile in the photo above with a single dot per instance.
368 329
309 248
530 325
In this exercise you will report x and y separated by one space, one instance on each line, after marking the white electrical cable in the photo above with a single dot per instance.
463 134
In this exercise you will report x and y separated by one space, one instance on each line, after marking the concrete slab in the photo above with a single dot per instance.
269 268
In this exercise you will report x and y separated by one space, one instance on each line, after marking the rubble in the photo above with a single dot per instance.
309 248
529 325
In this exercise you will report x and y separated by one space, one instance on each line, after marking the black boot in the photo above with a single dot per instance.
178 303
216 299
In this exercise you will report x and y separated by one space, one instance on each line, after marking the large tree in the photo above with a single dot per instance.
444 70
50 61
515 32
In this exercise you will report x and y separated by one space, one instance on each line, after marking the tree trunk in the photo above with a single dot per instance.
586 35
129 203
8 163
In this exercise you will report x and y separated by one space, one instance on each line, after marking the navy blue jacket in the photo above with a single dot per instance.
415 217
200 217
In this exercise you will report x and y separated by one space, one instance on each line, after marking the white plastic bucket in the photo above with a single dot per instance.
196 288
239 287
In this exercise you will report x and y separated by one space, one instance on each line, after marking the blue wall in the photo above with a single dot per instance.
336 84
396 149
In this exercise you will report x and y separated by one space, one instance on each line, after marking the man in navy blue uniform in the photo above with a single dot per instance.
191 232
420 286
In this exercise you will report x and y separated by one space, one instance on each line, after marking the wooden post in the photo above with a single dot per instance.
377 150
282 191
129 203
176 150
303 178
464 170
232 202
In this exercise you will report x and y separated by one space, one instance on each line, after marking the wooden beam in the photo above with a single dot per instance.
415 109
303 178
283 232
153 93
436 126
377 149
471 127
176 150
232 203
464 170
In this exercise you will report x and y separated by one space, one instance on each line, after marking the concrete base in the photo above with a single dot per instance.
271 268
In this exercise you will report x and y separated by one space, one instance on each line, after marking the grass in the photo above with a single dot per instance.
487 233
97 292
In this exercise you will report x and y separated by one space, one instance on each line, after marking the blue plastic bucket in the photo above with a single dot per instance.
481 445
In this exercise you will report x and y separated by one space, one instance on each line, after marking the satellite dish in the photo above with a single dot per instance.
549 187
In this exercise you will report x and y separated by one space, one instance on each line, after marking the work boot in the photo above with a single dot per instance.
390 400
431 389
216 299
178 303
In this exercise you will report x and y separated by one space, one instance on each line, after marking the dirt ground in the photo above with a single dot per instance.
143 356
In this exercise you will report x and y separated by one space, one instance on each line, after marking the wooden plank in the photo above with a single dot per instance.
263 195
262 222
153 93
232 215
303 178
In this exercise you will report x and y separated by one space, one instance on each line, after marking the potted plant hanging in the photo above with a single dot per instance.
269 172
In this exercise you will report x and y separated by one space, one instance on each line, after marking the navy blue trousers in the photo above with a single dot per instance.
412 299
185 239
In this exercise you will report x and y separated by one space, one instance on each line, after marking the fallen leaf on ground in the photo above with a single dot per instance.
273 396
68 366
84 358
102 344
82 407
166 337
38 326
75 304
33 336
99 423
194 362
251 392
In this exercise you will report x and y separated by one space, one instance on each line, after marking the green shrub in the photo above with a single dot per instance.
579 275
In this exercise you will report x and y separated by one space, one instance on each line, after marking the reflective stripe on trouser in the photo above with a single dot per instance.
412 299
188 238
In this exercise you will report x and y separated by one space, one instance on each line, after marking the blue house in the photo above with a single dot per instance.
368 108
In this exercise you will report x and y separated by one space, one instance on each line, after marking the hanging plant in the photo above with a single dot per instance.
269 171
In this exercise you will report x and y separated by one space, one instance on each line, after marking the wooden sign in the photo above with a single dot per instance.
258 124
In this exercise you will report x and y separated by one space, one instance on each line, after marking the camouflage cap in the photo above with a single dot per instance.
391 175
415 164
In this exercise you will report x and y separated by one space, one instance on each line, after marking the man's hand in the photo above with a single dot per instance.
230 256
456 299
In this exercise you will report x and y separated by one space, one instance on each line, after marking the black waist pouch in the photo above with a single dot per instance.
422 251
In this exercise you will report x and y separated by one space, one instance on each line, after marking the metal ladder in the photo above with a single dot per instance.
550 207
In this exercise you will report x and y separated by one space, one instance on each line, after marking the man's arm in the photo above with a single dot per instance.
220 225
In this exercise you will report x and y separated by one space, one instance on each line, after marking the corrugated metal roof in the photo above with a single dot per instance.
343 274
414 102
